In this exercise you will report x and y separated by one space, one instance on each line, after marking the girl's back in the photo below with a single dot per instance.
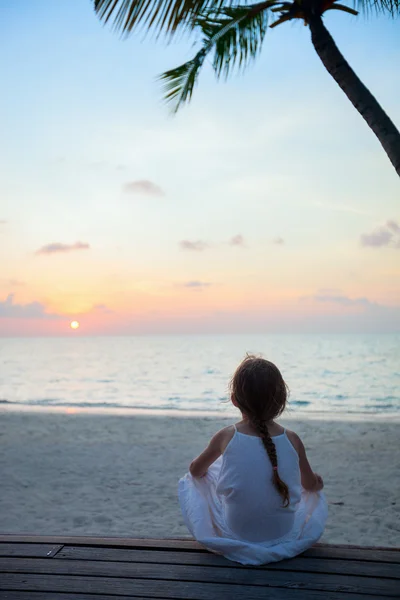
252 506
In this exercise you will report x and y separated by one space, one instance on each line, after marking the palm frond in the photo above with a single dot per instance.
162 15
179 83
378 6
343 8
168 15
282 19
234 33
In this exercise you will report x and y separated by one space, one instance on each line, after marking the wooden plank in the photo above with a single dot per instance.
177 590
179 544
312 565
323 545
34 550
99 553
220 575
63 596
184 544
370 554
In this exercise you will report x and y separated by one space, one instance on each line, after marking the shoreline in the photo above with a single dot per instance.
337 417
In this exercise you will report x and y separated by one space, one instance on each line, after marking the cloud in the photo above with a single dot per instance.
200 245
355 314
334 297
386 236
328 292
196 285
57 248
3 222
393 226
237 240
7 283
33 310
143 186
103 308
16 282
337 297
196 246
278 241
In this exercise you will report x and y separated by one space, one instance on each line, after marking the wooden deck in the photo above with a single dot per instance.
74 568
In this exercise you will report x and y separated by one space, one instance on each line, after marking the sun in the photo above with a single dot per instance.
74 324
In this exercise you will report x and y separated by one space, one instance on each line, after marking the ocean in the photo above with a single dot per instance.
329 374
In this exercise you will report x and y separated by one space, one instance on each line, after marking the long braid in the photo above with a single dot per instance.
270 448
259 391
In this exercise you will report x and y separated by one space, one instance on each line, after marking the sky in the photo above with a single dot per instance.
266 205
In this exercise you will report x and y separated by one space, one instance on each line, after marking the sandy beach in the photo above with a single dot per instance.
82 474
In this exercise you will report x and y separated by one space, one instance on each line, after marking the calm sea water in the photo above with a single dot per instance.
332 373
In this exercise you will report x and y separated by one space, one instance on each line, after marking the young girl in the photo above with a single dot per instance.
252 495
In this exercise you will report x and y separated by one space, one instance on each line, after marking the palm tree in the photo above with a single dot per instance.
234 35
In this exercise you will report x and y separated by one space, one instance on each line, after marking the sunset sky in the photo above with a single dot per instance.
265 205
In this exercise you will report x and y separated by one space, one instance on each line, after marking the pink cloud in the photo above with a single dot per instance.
237 240
339 298
33 310
143 186
386 236
16 282
393 226
196 246
103 309
196 285
57 248
336 297
278 241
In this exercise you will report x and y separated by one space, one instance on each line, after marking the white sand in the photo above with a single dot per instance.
117 475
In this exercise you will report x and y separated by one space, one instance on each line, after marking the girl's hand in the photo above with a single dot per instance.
319 483
310 481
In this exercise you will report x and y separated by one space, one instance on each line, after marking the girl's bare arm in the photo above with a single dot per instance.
215 448
309 480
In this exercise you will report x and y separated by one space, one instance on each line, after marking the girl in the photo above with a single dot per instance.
252 495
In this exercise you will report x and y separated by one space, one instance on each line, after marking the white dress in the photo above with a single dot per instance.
236 511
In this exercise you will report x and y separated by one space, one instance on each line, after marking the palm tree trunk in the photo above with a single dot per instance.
355 90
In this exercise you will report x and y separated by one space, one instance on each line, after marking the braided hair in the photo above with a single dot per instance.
261 394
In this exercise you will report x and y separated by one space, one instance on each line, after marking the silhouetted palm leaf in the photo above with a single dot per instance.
162 15
380 6
179 83
343 8
169 15
235 35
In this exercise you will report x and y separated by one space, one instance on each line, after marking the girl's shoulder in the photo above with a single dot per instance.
295 440
224 436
